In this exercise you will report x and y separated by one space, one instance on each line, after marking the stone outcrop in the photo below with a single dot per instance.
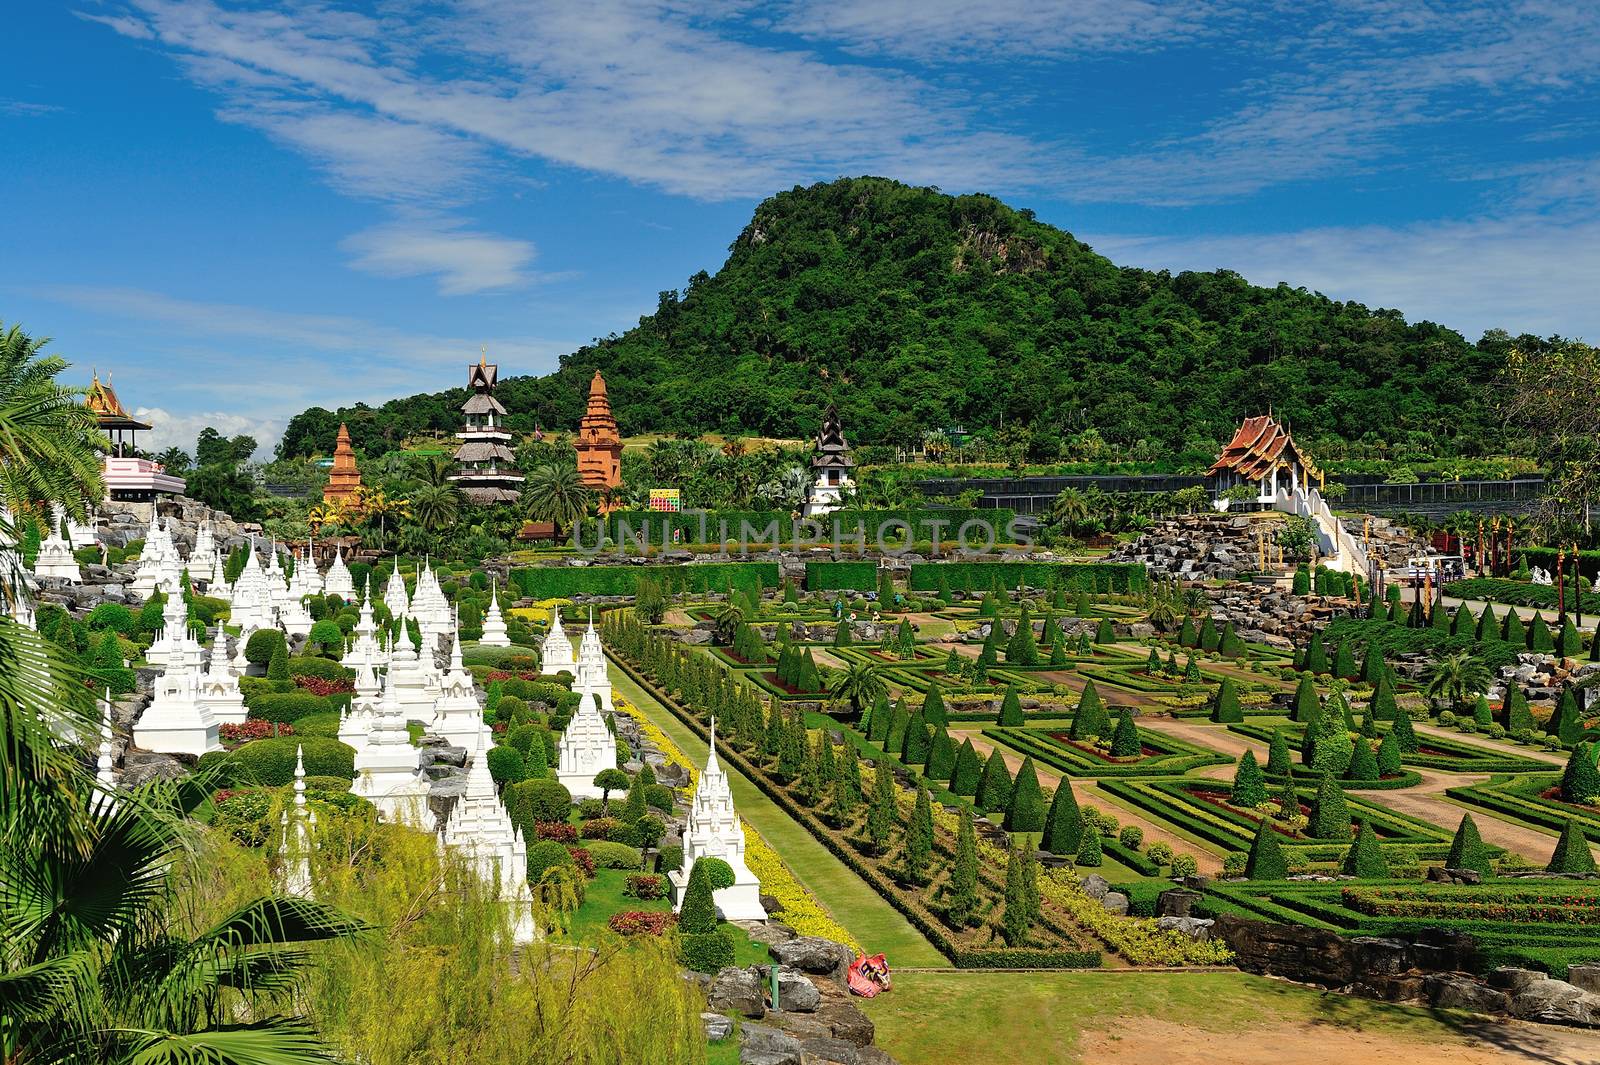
1210 546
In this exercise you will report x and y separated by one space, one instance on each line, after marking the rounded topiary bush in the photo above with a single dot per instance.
270 763
286 707
706 952
258 649
608 855
113 616
542 799
545 855
717 871
506 765
321 668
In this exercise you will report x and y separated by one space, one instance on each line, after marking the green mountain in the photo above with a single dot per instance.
912 309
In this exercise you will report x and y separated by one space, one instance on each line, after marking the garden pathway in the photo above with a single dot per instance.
1087 792
853 903
1428 802
1424 729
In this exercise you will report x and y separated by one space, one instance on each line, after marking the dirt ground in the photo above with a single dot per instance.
1148 1040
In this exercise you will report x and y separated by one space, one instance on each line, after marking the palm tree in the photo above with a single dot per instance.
1456 678
555 493
435 471
436 506
49 441
860 684
728 620
1069 509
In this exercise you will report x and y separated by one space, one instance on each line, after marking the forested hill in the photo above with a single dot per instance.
913 309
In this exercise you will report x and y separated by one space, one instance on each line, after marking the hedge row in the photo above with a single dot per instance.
1454 756
1173 757
926 924
848 576
1103 577
1521 799
557 582
1521 593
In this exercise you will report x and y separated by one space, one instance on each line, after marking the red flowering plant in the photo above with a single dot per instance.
560 831
324 686
584 860
642 922
645 886
253 729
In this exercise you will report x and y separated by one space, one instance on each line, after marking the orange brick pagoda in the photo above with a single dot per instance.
599 443
344 480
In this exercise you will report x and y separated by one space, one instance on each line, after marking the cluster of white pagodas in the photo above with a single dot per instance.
160 566
713 831
55 558
479 828
431 610
179 719
592 681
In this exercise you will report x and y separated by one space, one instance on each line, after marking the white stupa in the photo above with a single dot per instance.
252 600
365 646
415 680
159 566
479 829
204 556
394 594
713 831
55 559
298 824
355 723
173 645
458 716
388 772
586 747
217 586
494 626
592 678
338 581
177 720
306 580
431 609
78 535
556 653
105 778
219 686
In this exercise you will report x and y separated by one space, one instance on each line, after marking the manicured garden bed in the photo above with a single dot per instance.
1163 755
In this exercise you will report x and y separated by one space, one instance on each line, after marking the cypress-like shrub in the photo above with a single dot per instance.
933 709
1249 787
918 741
1363 765
1365 858
1307 707
1580 780
1539 634
1330 819
1518 715
1010 707
1567 723
1125 740
941 755
1025 811
1063 825
1278 763
1344 661
994 788
1225 706
1404 734
1266 860
968 772
1389 755
1382 706
1090 719
1467 850
1089 854
1316 656
1511 631
1104 633
1572 854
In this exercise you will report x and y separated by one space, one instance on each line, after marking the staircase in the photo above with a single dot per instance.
1340 549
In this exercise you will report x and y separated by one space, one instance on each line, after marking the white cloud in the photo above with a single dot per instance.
465 261
1522 273
182 430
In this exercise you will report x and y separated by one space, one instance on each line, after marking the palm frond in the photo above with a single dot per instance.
265 1043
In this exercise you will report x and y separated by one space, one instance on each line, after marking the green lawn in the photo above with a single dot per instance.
876 924
603 897
1037 1017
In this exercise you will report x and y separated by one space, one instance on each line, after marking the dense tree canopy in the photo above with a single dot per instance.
914 310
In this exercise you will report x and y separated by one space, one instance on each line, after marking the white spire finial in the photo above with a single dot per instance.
300 776
104 776
711 762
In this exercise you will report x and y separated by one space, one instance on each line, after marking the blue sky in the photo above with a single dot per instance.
246 208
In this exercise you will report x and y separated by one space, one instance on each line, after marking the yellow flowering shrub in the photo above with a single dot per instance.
539 611
801 910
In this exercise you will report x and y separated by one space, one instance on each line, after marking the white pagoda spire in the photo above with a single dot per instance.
494 626
219 687
299 821
586 747
103 767
556 653
713 831
592 678
458 716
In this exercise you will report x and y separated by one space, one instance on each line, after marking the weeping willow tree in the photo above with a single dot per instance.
442 981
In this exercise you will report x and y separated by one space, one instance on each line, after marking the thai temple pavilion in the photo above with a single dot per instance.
344 480
599 443
128 477
830 467
1263 454
487 466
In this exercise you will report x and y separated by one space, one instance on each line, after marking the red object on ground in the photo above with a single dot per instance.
868 976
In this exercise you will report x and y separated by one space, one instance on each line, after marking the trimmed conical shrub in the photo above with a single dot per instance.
1025 811
1187 637
1125 740
1191 671
698 915
1512 631
1488 625
1580 780
1404 734
1249 787
941 755
1517 713
1090 719
933 710
1104 633
1373 668
1010 708
1063 825
1278 763
1316 660
1266 860
1365 858
994 788
1089 854
1330 819
1363 765
1467 850
1307 707
1225 706
1382 705
1344 661
1539 638
1389 756
1481 714
918 741
1572 853
1569 641
1567 723
968 772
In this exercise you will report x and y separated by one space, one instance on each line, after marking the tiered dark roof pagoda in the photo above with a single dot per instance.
488 467
832 451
